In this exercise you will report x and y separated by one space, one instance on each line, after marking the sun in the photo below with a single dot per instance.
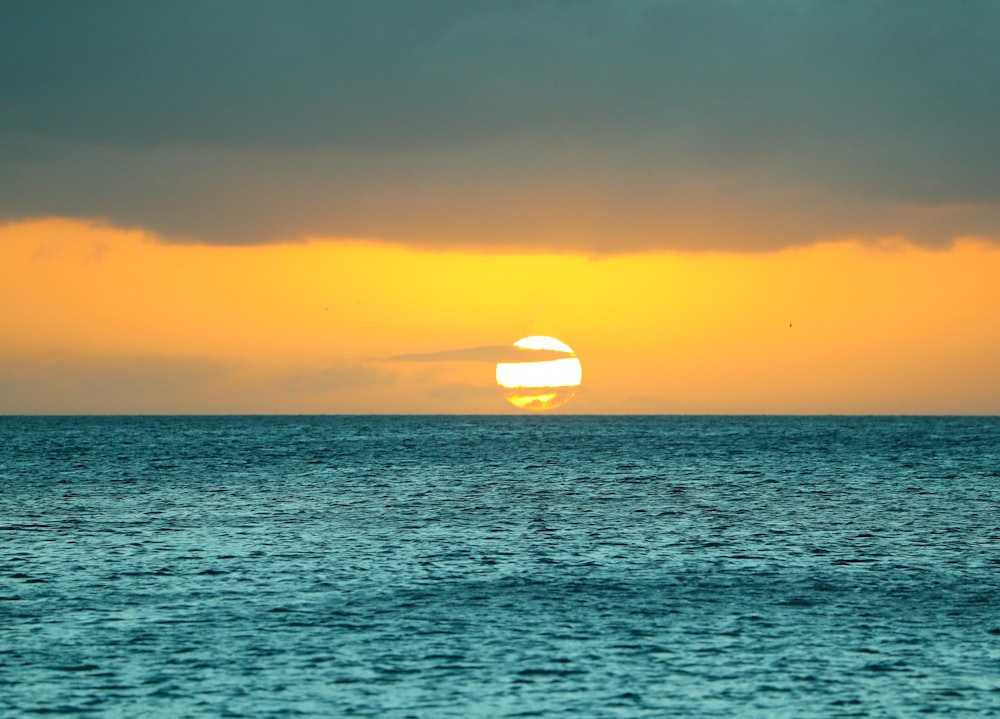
545 379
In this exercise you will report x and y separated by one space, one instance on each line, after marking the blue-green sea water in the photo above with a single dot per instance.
544 566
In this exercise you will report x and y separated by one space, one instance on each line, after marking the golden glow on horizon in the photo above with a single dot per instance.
97 319
544 385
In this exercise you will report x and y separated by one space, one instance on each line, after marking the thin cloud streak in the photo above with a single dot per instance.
490 353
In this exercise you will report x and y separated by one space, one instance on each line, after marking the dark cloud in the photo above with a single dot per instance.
493 353
583 124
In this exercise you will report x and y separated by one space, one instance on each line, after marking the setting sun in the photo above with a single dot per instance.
540 385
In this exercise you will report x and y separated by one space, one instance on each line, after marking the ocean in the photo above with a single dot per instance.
515 566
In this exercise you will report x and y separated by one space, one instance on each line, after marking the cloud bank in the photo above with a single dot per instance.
585 126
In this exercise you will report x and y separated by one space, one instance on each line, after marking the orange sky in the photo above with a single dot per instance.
100 320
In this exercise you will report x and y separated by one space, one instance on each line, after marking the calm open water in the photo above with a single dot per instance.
500 566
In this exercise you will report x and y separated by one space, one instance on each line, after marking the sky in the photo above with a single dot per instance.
777 206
